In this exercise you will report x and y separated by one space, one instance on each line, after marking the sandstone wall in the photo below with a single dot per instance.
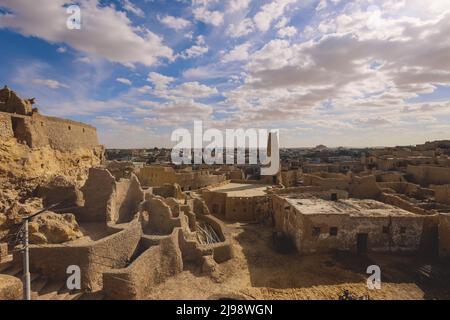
426 175
404 233
93 258
38 131
152 176
444 235
442 193
6 131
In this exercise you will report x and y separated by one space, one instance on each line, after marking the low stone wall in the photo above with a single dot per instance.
93 258
150 268
403 204
427 175
442 193
444 235
409 189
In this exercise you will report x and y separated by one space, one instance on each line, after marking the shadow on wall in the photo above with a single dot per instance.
268 268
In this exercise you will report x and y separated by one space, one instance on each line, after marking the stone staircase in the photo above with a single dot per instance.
44 289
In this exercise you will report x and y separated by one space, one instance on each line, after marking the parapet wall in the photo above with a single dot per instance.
426 175
38 131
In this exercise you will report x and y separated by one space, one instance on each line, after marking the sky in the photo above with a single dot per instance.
334 72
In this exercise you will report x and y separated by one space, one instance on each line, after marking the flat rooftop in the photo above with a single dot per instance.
242 189
351 207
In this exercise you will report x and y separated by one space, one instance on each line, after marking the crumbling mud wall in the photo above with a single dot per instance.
6 130
153 176
327 180
38 131
409 189
320 233
169 190
442 193
115 201
93 258
395 200
364 188
426 175
444 235
151 267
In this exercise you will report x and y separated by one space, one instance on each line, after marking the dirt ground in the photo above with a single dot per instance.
257 271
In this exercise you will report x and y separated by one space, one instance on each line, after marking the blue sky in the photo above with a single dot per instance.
333 72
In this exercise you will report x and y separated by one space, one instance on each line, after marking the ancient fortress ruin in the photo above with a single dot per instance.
159 231
19 120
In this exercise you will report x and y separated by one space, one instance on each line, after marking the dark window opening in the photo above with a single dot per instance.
70 128
385 229
333 231
362 240
316 231
334 197
403 230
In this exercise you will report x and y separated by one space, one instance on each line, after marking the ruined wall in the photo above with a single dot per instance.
93 258
61 134
150 268
289 177
6 131
97 191
38 131
364 188
444 235
216 202
442 193
169 190
246 208
409 189
108 200
125 200
340 182
426 175
390 177
152 176
402 234
395 200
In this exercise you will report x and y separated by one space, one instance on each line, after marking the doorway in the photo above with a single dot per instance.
361 243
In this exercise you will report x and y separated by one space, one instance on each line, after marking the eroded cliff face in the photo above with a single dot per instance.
24 169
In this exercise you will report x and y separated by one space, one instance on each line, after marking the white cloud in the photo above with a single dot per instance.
240 29
238 53
61 49
193 90
203 14
50 83
238 5
197 50
104 31
175 23
287 32
129 6
270 12
124 81
159 81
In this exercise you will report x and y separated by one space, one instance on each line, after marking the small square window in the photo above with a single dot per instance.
403 230
333 231
385 229
316 231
